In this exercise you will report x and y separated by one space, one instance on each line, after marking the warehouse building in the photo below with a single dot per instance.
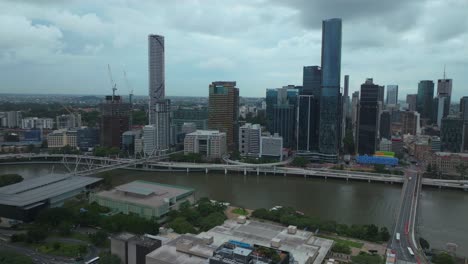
23 201
146 199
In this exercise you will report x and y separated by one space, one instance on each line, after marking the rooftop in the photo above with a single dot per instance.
186 249
302 245
145 193
206 133
42 188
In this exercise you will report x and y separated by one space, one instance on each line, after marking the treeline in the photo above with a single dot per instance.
289 216
64 219
203 216
7 179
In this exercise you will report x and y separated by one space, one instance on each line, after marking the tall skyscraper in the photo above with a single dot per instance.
452 134
369 118
281 113
464 108
438 109
392 95
381 94
424 100
159 106
308 110
223 111
330 117
344 108
115 116
311 81
411 101
385 125
444 89
354 111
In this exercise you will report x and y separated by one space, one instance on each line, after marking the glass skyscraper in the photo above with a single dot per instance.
330 116
424 99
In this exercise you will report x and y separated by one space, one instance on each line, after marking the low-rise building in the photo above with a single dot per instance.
68 121
24 200
447 162
209 143
132 249
38 123
146 199
87 138
385 145
61 138
249 140
271 146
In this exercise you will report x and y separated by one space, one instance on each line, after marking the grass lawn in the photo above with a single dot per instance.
62 249
239 211
349 243
9 257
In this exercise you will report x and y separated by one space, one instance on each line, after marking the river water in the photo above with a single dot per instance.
443 213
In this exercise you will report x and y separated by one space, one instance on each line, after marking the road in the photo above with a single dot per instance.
405 221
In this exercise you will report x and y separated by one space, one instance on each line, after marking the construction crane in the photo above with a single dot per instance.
130 96
113 84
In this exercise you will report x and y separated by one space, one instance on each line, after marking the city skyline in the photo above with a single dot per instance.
86 36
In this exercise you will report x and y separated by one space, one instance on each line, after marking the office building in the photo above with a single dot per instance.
61 138
115 116
392 95
311 81
436 144
199 116
452 134
381 94
354 111
424 100
448 162
37 123
271 146
444 89
440 102
385 125
143 198
68 121
149 140
307 124
464 108
223 111
411 101
282 111
188 128
249 140
330 102
159 106
87 138
369 117
344 109
410 122
212 144
132 249
24 200
385 145
128 141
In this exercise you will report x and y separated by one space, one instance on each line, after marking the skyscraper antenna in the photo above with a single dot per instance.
444 71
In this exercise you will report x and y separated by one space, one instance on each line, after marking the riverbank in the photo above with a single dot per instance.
443 213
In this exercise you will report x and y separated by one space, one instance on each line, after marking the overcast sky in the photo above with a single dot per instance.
57 46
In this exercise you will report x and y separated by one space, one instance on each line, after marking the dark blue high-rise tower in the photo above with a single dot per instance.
330 116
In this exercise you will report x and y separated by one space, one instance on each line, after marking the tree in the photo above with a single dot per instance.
182 226
365 258
99 238
36 235
461 169
348 142
443 258
107 258
7 179
299 162
384 234
424 243
8 257
64 228
341 248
